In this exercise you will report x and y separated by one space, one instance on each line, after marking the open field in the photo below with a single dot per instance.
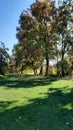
35 103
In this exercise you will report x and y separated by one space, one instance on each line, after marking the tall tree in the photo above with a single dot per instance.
45 14
64 30
40 28
28 39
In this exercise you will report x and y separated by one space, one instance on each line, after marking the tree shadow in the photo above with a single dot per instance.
25 82
48 113
5 104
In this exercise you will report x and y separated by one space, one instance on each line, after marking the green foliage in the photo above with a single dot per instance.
45 14
4 56
52 71
37 31
66 67
65 30
45 32
30 53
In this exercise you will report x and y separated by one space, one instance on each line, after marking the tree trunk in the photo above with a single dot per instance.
35 71
1 72
47 65
1 65
62 60
62 66
57 65
41 70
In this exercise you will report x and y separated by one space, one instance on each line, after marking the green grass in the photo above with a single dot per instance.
35 103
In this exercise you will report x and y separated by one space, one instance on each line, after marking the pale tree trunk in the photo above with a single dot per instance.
35 71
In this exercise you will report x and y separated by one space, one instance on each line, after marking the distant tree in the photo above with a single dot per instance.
71 67
18 57
4 56
66 66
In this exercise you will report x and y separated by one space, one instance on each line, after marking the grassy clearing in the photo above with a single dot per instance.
35 103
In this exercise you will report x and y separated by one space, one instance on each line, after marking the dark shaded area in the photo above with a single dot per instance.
25 82
5 104
49 113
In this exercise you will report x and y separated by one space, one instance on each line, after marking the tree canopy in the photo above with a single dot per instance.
44 30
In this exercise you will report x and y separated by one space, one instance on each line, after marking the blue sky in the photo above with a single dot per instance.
10 11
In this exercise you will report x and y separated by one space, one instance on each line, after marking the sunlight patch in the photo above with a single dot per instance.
68 106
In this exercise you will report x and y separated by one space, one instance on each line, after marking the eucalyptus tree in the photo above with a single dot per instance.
28 41
39 29
64 30
45 14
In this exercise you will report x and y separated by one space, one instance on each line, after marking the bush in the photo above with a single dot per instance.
66 67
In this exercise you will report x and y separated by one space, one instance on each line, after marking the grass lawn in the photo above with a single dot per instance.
35 103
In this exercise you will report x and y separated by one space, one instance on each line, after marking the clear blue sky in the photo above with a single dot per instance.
10 11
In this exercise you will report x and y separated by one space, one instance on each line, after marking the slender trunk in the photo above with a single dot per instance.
35 71
47 65
1 72
41 70
57 65
46 48
1 65
62 66
62 59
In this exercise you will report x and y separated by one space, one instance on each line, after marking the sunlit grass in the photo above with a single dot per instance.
35 103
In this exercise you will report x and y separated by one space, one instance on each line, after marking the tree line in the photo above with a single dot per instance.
45 33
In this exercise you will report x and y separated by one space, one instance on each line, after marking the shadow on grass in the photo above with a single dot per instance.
49 113
26 81
5 104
